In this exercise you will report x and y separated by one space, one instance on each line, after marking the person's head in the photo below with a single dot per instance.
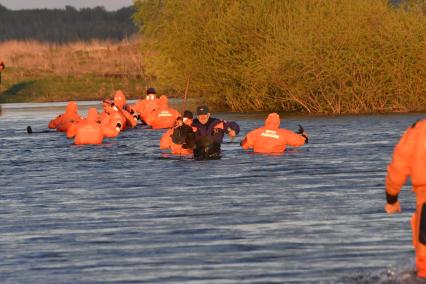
119 99
273 121
163 101
203 114
92 115
187 117
71 107
106 104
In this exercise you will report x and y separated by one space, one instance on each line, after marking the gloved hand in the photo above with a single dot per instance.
393 208
303 133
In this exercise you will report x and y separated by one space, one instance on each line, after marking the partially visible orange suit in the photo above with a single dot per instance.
166 142
271 138
144 107
162 117
90 131
409 159
63 121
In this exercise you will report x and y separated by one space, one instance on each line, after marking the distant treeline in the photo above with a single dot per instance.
66 25
318 56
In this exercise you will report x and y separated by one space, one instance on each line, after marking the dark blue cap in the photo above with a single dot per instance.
202 110
188 114
150 91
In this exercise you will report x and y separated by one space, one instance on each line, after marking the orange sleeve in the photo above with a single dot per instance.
55 122
399 168
248 141
293 139
129 118
72 130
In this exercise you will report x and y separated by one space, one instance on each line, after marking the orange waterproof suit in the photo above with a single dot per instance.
144 107
271 138
118 109
409 159
90 131
110 118
63 121
166 141
162 117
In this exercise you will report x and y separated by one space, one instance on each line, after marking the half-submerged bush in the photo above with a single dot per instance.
319 56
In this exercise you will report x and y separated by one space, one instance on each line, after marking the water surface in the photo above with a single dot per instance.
126 212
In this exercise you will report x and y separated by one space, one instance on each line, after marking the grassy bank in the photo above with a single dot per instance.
41 72
310 55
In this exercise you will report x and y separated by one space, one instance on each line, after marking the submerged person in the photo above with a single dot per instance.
180 139
145 106
90 130
271 138
409 160
163 116
209 133
63 121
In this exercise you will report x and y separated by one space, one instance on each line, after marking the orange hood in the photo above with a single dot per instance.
71 108
92 115
163 101
273 121
119 99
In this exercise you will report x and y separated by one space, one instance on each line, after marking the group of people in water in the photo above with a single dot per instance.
200 137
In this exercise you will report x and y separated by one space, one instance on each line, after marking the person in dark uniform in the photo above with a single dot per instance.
209 133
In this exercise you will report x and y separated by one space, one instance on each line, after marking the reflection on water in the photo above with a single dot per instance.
125 212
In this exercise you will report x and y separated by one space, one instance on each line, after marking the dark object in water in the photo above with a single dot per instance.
30 131
206 149
300 131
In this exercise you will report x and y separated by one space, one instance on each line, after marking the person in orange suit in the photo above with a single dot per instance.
108 119
90 130
180 139
409 160
118 108
162 117
271 138
144 107
63 121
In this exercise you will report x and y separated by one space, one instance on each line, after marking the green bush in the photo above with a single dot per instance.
317 56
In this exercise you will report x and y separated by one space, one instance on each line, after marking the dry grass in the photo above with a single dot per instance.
80 70
123 59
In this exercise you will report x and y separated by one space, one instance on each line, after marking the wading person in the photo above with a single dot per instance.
163 116
209 134
409 160
271 138
145 106
108 120
118 109
63 121
90 130
180 139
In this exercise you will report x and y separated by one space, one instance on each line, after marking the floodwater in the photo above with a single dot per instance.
126 212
